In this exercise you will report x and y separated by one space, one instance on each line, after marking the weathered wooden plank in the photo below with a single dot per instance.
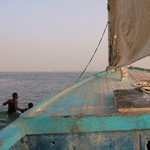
82 141
11 135
131 100
95 96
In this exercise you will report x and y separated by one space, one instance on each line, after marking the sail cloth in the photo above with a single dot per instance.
129 31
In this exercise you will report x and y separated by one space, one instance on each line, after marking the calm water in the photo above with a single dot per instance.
32 87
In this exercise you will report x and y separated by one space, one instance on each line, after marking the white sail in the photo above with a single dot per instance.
129 31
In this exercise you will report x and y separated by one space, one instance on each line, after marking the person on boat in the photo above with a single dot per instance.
13 104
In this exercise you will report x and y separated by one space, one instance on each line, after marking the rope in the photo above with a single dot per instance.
93 53
143 86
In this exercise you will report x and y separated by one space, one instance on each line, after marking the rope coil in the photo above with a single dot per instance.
143 86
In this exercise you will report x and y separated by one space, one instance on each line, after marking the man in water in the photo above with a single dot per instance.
30 105
13 104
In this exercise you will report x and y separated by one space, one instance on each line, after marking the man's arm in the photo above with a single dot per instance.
5 103
17 108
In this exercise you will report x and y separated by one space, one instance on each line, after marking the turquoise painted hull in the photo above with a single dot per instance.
134 140
83 116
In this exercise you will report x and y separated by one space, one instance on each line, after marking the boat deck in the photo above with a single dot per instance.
94 97
86 107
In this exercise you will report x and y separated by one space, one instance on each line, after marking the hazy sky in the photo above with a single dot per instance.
52 35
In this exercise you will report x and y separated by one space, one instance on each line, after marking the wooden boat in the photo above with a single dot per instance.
107 111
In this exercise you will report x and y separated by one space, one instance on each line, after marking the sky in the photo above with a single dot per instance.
52 35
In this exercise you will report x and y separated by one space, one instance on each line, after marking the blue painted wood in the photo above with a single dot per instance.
60 125
83 141
68 124
10 135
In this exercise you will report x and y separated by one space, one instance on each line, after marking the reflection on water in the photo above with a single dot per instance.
6 118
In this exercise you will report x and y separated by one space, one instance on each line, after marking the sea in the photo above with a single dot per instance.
33 87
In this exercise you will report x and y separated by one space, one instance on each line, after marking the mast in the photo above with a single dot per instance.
111 41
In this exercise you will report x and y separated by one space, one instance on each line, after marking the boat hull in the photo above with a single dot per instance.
84 116
133 140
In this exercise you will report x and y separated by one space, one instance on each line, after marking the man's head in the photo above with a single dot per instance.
15 96
30 105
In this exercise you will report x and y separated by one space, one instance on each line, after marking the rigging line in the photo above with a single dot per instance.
93 53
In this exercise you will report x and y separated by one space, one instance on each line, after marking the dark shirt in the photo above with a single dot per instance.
11 107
